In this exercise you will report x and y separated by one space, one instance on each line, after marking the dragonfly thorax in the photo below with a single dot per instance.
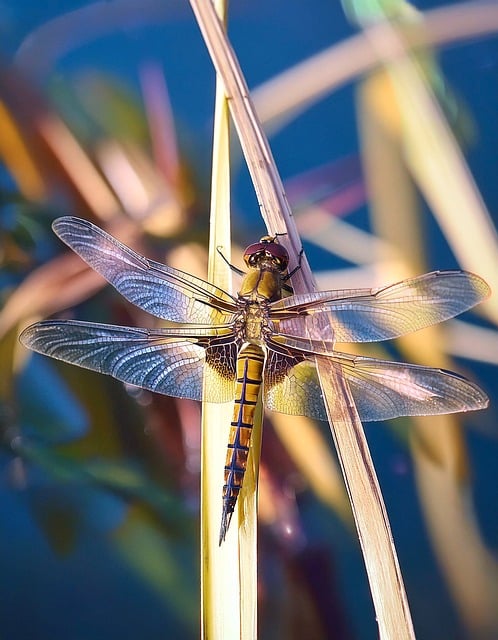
262 284
254 324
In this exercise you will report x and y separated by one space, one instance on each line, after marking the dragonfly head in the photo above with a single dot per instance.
267 248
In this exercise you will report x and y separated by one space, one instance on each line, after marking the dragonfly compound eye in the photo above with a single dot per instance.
267 247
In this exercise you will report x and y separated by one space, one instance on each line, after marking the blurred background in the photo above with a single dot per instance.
389 158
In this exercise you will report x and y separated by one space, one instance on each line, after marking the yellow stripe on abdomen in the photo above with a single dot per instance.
250 365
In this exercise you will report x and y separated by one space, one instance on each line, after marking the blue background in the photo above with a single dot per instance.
90 592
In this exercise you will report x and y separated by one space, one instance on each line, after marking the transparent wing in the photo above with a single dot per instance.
369 315
381 389
168 361
160 290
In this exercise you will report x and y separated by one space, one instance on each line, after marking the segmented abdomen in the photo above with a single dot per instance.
250 365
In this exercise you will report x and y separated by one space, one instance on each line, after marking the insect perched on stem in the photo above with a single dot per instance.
259 342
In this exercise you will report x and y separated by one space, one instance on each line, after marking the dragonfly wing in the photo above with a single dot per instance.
291 386
384 390
381 389
161 360
370 315
160 290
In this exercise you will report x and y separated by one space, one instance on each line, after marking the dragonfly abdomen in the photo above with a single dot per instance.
250 365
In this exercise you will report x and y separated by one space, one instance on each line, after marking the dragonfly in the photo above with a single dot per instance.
261 342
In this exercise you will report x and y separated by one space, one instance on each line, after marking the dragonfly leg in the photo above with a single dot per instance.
296 268
232 267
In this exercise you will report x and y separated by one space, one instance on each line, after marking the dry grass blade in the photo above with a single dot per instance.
59 284
472 342
160 120
277 100
438 449
220 590
80 169
341 238
469 567
265 177
310 453
17 157
229 571
63 282
438 165
55 155
382 566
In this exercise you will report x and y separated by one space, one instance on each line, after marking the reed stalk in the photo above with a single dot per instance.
374 532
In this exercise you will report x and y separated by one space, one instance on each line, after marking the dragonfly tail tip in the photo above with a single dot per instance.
225 523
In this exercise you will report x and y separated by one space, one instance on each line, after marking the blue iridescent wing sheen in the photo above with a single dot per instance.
160 290
381 389
369 315
169 361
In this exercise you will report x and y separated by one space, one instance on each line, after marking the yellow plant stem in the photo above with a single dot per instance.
220 600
